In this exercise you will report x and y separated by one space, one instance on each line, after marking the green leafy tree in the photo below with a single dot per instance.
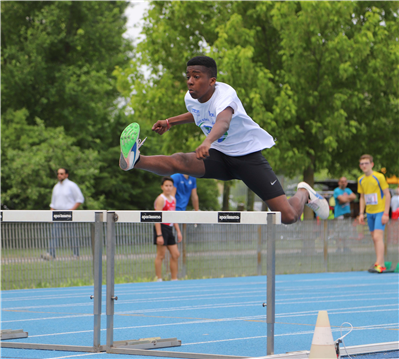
321 77
57 64
34 154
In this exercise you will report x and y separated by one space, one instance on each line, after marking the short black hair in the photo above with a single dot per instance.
164 179
63 168
206 61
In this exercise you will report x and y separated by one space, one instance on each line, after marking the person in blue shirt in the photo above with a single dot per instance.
343 197
185 187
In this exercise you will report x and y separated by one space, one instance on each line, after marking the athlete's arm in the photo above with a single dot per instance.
362 207
220 127
162 126
343 198
385 216
352 197
194 199
76 206
159 203
178 232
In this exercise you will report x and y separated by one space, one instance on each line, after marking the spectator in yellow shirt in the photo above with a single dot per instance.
375 199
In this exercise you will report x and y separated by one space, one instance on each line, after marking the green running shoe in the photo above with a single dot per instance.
130 144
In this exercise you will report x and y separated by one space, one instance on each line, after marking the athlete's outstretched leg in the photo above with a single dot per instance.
177 163
161 165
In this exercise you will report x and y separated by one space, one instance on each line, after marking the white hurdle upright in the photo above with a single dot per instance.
96 217
134 347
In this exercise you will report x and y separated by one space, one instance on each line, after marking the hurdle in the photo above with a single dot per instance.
135 347
95 217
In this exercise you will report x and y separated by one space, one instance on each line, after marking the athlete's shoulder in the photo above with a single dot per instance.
360 179
175 177
225 88
379 175
381 180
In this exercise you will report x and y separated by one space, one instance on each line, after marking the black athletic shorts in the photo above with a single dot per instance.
253 169
167 233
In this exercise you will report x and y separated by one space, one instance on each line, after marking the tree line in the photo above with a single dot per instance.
321 77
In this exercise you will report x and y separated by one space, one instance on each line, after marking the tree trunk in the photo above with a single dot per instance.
226 196
250 200
308 177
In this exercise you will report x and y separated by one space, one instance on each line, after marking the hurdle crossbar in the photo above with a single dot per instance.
198 217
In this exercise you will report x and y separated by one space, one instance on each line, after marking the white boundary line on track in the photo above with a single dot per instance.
369 327
293 301
78 355
205 321
280 291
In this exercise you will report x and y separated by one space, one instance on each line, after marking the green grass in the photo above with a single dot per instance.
211 259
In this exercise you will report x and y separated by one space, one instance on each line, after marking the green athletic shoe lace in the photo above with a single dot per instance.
129 137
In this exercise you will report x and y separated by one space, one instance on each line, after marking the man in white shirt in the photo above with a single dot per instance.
66 196
232 147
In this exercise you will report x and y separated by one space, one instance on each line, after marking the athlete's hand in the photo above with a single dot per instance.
202 151
385 218
361 218
160 127
160 241
179 237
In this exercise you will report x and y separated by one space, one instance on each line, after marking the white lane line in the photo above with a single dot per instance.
48 318
206 288
232 305
227 296
276 335
206 321
77 355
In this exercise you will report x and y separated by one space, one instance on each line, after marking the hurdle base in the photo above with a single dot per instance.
6 334
147 343
55 347
167 354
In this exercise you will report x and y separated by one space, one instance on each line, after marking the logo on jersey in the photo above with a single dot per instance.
207 129
194 111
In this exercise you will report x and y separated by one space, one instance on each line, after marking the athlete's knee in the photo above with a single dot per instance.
175 255
289 217
160 257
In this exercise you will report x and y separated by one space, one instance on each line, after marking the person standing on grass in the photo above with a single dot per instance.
375 200
232 148
66 196
163 233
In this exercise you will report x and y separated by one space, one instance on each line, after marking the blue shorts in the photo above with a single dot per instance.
374 221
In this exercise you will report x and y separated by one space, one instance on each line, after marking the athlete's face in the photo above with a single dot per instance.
167 188
366 166
200 85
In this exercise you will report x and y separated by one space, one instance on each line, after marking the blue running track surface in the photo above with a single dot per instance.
215 316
